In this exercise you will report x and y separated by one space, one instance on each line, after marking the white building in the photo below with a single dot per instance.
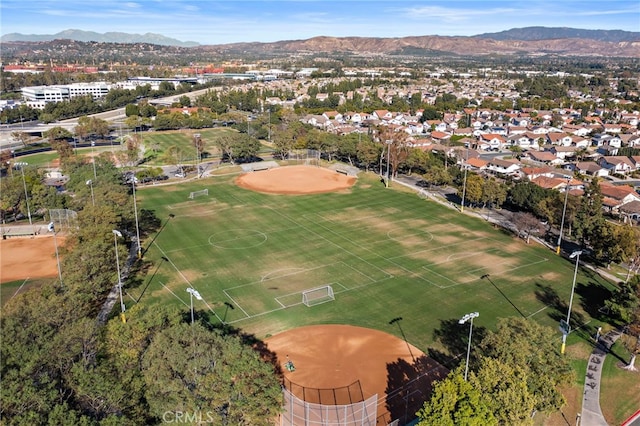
39 96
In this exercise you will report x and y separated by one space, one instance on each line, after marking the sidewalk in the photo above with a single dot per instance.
591 413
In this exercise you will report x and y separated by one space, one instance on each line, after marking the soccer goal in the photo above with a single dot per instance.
318 295
200 193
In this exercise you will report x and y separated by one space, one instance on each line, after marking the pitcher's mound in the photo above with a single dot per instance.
295 180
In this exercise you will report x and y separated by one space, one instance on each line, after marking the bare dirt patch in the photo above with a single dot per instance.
22 258
331 356
295 180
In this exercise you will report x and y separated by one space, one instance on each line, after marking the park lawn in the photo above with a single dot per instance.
386 253
619 389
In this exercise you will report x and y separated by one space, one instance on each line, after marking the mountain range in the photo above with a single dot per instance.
530 41
109 37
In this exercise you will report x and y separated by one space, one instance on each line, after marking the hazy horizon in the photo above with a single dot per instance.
222 22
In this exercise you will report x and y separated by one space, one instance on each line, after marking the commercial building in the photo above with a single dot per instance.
39 96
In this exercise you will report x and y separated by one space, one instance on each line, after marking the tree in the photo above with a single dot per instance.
22 137
524 343
191 369
493 193
526 196
368 152
397 149
237 146
624 306
504 389
589 217
473 192
526 223
456 402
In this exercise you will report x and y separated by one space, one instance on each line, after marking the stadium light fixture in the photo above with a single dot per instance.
117 234
565 332
464 319
193 293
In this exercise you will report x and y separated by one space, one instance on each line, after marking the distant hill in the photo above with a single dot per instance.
524 42
109 37
551 33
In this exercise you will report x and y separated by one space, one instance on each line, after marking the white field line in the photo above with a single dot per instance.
176 296
538 311
237 304
20 288
186 280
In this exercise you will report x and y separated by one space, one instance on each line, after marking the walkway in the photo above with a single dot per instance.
591 412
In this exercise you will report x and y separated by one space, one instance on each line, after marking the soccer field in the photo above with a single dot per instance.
386 253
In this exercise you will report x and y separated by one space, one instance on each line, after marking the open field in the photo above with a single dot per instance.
385 253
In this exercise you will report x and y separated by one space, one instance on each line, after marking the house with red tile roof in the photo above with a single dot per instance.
616 196
550 182
544 157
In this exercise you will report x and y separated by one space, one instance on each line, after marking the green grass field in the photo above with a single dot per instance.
386 254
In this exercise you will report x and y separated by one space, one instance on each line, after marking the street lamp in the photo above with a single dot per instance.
193 293
90 184
93 160
135 210
464 319
26 195
564 210
464 182
565 327
117 234
52 228
388 142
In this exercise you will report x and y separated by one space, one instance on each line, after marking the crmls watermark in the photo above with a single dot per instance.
188 417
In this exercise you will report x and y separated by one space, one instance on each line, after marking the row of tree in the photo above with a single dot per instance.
59 365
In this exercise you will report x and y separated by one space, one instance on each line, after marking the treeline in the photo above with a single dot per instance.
60 365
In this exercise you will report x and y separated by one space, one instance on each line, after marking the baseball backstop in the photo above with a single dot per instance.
342 406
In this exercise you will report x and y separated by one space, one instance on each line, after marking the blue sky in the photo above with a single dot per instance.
226 21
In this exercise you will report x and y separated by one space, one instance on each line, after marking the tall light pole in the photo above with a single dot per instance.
117 234
193 293
269 123
464 183
90 184
135 211
567 328
564 210
464 319
26 195
93 160
388 142
52 228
